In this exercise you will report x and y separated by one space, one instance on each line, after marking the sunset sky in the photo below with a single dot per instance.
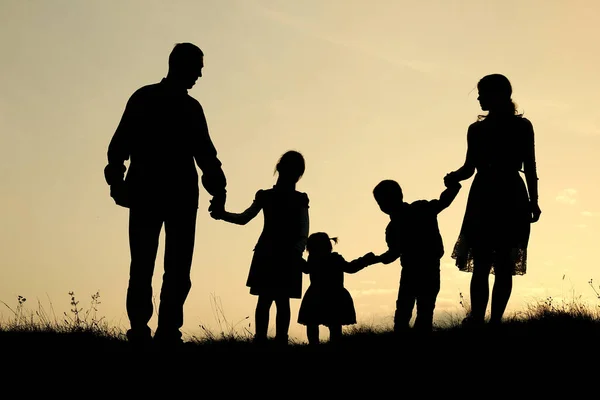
366 90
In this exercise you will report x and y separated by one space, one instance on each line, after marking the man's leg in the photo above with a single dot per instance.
144 231
180 231
405 302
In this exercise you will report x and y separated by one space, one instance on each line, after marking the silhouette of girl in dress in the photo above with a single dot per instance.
495 232
326 301
276 269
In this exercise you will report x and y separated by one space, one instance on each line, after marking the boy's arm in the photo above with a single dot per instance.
393 252
447 197
388 257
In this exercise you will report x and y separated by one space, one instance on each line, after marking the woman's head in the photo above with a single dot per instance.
319 243
495 93
291 166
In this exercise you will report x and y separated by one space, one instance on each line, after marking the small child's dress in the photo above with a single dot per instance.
326 301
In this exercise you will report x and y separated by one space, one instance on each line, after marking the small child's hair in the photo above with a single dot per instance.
320 242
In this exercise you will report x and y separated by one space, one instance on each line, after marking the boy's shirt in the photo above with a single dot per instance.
414 234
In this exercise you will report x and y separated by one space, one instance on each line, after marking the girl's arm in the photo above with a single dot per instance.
244 217
304 229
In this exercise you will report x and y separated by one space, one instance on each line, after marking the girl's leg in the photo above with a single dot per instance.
480 289
312 332
261 317
502 288
282 320
335 333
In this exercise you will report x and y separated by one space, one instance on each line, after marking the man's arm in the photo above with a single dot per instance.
119 148
205 154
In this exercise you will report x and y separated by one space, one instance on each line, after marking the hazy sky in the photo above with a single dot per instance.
365 90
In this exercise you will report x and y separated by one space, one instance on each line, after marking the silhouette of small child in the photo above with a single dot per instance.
276 269
413 235
326 301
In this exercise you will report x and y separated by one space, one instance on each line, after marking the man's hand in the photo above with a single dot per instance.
217 206
120 194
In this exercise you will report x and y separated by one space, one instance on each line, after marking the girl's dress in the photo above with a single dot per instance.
326 301
276 267
497 217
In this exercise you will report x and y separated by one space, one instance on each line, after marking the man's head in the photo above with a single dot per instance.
185 64
388 195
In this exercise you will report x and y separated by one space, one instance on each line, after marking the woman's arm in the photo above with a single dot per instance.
530 169
468 168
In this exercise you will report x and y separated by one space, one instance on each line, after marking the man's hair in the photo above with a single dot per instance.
184 54
387 188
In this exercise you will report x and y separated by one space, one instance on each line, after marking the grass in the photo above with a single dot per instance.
544 327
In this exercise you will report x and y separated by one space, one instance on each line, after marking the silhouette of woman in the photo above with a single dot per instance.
276 269
495 231
326 301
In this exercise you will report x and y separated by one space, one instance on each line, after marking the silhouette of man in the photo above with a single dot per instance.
164 134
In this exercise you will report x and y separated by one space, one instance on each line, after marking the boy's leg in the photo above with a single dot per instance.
429 287
261 318
405 302
312 332
282 320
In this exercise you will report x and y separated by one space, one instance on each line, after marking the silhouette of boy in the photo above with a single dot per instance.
413 235
164 134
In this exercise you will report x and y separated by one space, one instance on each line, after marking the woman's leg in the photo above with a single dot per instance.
502 287
480 289
282 321
335 333
261 317
312 332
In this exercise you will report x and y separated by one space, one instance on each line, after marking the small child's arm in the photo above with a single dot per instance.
352 267
448 196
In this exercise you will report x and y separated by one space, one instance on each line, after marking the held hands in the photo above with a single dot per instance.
451 180
370 258
217 206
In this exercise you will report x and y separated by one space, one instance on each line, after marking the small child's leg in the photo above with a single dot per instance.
312 333
261 318
405 302
429 287
335 333
282 320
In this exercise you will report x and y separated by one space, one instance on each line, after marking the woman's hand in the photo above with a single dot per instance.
535 212
451 179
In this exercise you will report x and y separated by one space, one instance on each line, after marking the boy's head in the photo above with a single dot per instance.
388 195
